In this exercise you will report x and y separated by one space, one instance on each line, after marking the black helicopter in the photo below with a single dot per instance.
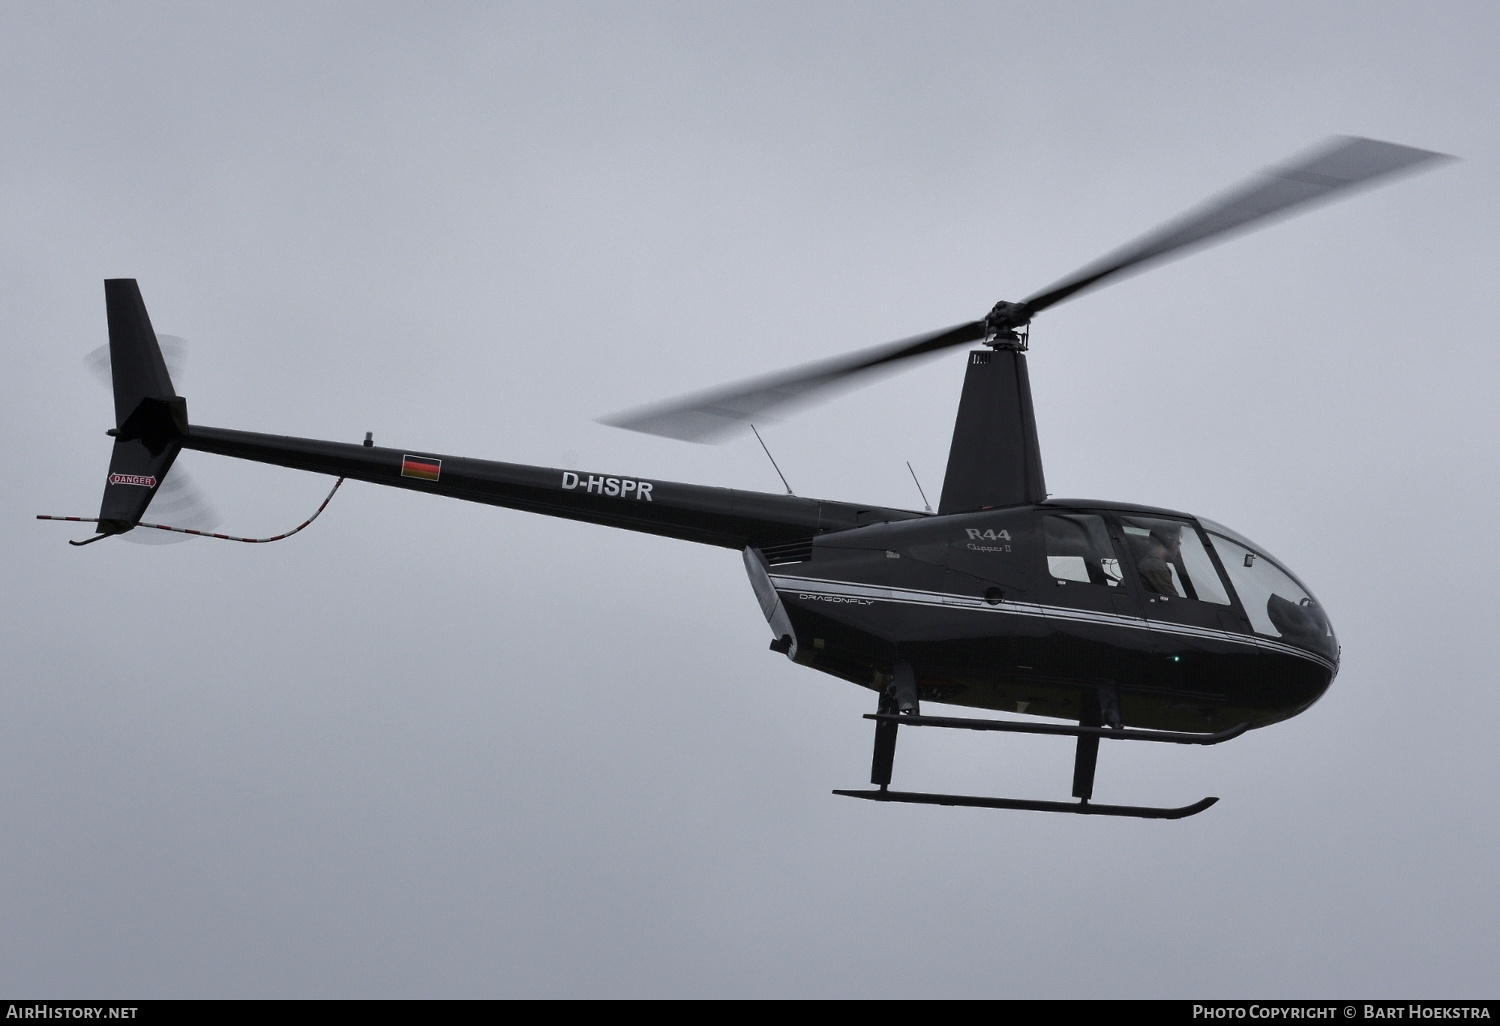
1132 622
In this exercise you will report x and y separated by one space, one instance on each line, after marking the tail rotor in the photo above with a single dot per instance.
150 417
179 499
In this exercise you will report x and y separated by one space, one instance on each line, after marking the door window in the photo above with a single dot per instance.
1078 549
1171 561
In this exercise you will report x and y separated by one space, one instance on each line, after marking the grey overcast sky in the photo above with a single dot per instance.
433 749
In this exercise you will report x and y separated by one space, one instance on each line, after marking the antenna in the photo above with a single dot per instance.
925 504
779 474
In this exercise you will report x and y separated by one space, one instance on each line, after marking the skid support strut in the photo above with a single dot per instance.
1103 711
1100 707
899 699
885 744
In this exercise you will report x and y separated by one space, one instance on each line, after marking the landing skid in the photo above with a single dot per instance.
1100 719
1080 808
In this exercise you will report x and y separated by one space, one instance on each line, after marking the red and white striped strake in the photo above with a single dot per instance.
209 534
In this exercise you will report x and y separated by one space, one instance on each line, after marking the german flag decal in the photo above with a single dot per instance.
422 467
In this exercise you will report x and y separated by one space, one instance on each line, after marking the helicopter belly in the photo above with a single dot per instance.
1044 659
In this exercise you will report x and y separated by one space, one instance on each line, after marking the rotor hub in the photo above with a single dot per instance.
1008 326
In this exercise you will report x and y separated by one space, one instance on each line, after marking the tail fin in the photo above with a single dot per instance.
150 418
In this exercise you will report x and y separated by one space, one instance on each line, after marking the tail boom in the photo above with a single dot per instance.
726 517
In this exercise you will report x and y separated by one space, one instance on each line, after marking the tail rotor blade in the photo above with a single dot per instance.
180 502
174 351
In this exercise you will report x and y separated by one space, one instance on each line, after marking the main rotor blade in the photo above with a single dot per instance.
1341 164
714 415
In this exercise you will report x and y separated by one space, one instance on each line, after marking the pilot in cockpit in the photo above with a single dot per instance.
1155 563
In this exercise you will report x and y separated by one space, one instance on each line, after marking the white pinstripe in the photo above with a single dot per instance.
791 586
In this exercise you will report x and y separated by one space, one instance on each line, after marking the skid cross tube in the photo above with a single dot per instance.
1014 726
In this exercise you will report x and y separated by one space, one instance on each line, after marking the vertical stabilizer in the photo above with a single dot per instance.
994 460
150 418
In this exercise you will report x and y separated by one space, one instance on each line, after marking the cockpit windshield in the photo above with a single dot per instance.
1276 602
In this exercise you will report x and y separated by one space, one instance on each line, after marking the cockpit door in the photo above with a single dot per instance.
1177 575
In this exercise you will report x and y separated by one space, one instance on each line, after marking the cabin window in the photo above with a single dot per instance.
1171 561
1078 549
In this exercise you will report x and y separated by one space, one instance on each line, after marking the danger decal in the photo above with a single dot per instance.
140 480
